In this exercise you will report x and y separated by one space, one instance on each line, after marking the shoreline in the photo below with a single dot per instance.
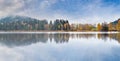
52 32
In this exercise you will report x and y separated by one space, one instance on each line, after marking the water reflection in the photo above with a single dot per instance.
114 36
12 40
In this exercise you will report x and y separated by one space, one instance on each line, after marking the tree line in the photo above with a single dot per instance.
29 24
110 26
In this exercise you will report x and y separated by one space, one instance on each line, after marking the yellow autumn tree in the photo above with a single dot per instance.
110 27
99 27
118 26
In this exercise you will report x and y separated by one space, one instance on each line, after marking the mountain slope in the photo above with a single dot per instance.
17 18
115 22
21 23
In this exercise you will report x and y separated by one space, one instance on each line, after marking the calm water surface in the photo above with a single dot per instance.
60 47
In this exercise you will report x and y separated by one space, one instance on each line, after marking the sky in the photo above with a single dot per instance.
76 11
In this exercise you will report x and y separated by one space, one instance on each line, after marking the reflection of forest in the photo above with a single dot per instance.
60 38
82 35
22 39
27 39
115 36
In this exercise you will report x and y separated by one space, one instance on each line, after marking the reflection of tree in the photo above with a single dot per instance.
115 36
51 37
103 36
85 35
27 39
61 38
118 37
22 39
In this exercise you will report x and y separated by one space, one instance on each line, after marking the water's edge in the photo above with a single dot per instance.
54 32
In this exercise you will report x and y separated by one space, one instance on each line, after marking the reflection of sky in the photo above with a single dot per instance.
91 49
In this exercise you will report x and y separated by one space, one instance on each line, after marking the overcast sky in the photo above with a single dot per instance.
78 11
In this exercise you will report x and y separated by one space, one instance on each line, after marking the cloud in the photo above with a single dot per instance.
9 54
9 7
96 11
47 3
80 11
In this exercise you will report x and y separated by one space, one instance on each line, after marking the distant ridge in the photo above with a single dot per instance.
115 22
16 18
21 23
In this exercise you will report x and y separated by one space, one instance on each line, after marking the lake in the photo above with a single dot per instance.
60 46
